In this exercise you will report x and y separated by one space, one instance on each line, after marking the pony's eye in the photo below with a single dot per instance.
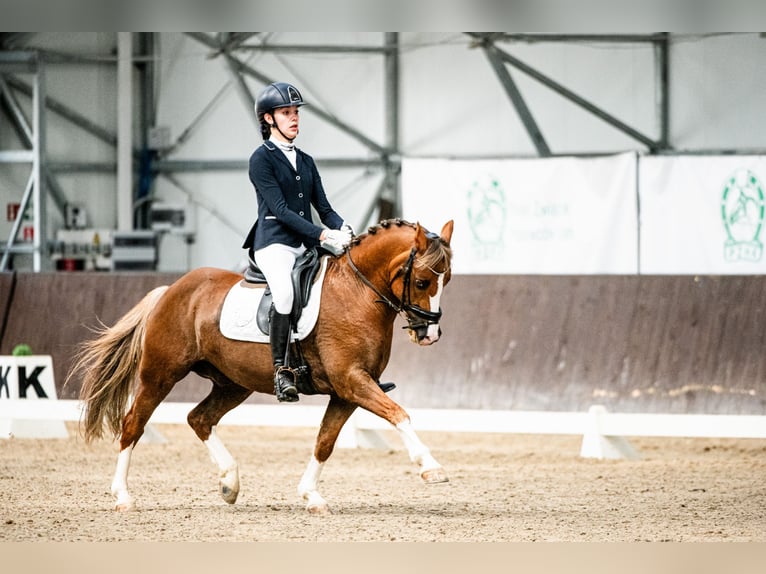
422 284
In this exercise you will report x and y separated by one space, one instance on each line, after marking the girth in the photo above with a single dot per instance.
303 274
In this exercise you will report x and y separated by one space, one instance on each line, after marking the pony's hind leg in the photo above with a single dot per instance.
133 426
337 413
203 419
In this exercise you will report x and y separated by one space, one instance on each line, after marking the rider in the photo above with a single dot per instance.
287 184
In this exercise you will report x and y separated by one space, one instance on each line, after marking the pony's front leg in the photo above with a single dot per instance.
337 413
228 481
430 471
124 502
371 398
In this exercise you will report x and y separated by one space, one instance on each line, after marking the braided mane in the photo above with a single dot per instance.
385 224
438 255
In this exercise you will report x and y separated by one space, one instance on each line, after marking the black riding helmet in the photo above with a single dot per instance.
273 96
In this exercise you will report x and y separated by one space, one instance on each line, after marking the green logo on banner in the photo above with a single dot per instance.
486 216
742 212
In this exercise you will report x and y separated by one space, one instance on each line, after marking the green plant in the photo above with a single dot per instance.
21 350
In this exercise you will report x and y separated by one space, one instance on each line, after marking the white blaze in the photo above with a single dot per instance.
433 330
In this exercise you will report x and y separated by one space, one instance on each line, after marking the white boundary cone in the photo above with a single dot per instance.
595 444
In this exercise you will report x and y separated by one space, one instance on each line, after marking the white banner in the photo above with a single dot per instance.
702 215
535 216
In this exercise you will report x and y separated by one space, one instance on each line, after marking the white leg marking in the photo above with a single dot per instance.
430 470
419 453
120 482
307 488
229 470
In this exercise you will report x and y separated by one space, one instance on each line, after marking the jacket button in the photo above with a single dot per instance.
300 213
300 195
297 178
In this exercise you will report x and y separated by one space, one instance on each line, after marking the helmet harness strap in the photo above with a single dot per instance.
276 126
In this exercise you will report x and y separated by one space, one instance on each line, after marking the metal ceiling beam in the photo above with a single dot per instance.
390 195
146 67
39 193
233 40
512 90
652 144
15 114
242 87
61 58
197 165
24 130
391 64
18 62
243 68
10 40
10 244
35 193
67 113
193 165
590 38
662 65
314 49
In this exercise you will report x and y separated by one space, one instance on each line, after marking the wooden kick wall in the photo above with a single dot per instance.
667 344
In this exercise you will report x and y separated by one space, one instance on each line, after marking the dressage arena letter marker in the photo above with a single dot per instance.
28 378
4 382
25 382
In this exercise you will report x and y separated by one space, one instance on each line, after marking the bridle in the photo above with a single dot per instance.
418 319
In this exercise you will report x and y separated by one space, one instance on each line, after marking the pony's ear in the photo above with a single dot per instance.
421 241
446 233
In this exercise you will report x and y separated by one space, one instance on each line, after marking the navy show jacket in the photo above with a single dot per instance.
285 196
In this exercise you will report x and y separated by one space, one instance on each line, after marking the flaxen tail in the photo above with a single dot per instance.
108 365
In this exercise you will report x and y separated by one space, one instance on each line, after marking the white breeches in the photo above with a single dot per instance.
276 262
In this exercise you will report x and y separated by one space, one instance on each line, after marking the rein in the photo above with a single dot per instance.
383 298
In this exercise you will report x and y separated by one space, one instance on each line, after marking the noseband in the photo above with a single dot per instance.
418 319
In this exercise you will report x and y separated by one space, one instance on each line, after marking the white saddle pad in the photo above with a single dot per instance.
238 314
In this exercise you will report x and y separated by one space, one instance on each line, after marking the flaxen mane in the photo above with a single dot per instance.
438 255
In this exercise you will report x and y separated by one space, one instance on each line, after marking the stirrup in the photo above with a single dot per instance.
284 385
385 387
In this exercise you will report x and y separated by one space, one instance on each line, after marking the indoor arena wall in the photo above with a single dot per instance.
665 344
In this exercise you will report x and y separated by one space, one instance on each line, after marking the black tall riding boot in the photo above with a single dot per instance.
279 336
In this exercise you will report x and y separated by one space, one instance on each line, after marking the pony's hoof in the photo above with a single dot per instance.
315 504
434 476
319 509
228 486
127 506
228 494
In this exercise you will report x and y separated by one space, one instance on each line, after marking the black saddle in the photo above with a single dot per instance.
303 274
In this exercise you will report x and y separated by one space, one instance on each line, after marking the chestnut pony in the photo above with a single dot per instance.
396 267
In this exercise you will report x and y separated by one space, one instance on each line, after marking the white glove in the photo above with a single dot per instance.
347 227
335 240
342 236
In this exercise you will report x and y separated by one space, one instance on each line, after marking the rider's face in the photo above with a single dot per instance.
287 121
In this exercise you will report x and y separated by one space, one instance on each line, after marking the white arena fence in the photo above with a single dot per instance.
604 433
